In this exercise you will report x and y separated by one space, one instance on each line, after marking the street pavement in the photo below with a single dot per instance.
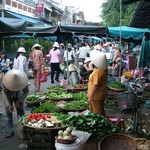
14 143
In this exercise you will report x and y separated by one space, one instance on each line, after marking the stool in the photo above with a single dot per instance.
114 120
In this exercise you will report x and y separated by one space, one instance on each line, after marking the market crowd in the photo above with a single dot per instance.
85 63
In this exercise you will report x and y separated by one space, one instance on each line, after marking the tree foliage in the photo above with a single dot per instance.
111 13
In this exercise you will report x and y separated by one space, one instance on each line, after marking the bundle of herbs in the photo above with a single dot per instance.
76 105
56 87
47 107
93 123
33 98
117 85
80 96
55 95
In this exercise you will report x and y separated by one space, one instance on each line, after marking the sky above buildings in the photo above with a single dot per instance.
91 8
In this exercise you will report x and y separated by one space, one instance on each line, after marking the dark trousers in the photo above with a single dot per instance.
55 68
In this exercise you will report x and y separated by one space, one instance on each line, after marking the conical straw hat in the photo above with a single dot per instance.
15 80
99 59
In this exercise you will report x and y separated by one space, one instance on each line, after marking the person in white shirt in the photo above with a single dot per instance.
20 61
83 53
69 55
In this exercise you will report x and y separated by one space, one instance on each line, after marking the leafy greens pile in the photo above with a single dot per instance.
54 95
33 98
47 107
93 123
117 85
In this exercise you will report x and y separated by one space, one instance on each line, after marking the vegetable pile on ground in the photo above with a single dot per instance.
60 116
47 107
93 123
57 95
79 102
117 85
80 96
76 105
80 86
33 98
56 87
39 120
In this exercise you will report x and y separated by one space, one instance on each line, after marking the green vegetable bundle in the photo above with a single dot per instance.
47 107
33 98
117 85
80 96
54 95
93 123
61 116
56 87
76 105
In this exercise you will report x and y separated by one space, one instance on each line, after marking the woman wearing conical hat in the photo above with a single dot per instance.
97 85
36 56
74 77
15 90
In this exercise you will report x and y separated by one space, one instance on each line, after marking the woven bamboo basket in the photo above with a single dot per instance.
117 141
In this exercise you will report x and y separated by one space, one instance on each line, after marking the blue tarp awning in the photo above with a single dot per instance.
127 32
26 18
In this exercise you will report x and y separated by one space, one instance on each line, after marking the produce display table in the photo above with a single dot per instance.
41 131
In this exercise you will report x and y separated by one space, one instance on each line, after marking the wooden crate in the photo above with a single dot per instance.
111 101
41 139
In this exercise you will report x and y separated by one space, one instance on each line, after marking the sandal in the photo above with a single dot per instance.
9 135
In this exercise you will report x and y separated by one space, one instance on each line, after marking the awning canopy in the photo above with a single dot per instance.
26 18
9 26
141 18
50 30
67 30
84 29
127 32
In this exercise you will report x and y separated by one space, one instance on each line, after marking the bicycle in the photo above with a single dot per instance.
135 122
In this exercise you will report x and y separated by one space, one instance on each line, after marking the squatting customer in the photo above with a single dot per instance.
15 90
97 85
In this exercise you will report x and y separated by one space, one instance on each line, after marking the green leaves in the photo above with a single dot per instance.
92 123
76 105
52 95
111 13
33 98
117 85
47 107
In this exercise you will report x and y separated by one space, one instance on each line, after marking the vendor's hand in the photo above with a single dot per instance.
89 100
10 108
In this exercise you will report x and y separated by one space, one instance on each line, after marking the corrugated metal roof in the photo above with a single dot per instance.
141 18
